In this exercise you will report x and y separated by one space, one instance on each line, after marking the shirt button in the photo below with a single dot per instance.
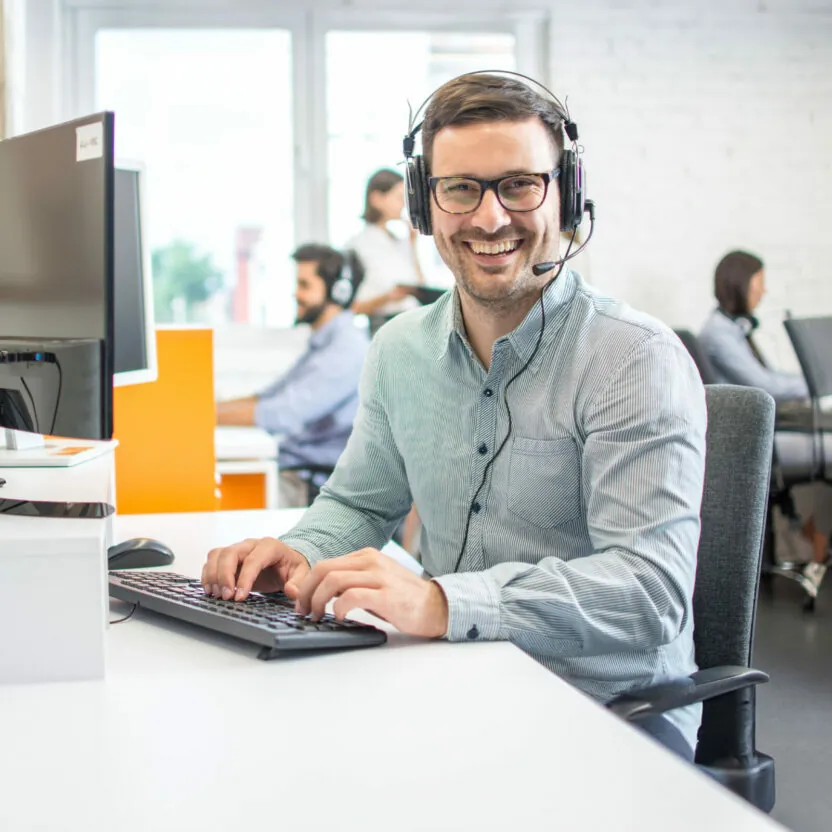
473 633
476 508
483 449
488 392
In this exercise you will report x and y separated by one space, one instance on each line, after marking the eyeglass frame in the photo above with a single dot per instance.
493 185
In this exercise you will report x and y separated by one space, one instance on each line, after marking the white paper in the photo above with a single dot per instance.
89 142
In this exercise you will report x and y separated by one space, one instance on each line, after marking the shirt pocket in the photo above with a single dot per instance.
544 485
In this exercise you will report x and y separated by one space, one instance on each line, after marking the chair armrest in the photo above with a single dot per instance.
677 693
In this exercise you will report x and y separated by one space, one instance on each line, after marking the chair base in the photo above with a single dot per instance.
753 782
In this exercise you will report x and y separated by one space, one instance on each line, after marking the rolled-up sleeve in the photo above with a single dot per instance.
642 471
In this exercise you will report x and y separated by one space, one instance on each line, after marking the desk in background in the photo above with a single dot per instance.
247 467
189 731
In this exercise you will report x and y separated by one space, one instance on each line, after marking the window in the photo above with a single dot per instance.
365 131
209 112
259 125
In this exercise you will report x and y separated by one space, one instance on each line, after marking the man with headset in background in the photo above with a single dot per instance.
312 406
560 502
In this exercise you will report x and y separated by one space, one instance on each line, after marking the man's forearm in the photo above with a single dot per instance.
563 608
237 412
371 305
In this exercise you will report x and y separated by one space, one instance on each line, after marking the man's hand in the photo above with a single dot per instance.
398 292
265 565
369 580
237 411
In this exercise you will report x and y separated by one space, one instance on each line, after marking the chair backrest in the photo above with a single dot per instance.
734 504
700 358
812 342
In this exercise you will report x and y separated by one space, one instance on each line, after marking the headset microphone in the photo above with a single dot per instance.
548 265
542 268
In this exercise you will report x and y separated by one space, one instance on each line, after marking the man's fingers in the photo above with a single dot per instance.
336 583
296 575
217 563
359 598
267 552
228 563
361 560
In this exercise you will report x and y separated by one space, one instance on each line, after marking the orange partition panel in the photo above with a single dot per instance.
239 491
165 428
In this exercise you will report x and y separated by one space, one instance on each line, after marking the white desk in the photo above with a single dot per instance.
248 450
190 732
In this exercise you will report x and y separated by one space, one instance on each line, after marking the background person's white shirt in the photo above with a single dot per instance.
387 261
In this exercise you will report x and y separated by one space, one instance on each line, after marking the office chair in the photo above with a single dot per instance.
812 342
311 473
737 470
802 452
700 358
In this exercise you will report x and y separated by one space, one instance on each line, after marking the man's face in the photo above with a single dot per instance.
310 294
489 151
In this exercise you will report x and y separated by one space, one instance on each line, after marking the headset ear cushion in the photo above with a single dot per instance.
418 195
567 191
341 291
572 191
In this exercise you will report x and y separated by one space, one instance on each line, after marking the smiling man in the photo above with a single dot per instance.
552 440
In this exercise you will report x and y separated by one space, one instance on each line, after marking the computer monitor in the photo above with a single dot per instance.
56 276
134 331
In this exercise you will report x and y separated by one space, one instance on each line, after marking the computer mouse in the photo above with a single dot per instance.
138 552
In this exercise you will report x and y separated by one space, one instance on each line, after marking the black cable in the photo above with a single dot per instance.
126 617
58 397
32 401
21 416
505 397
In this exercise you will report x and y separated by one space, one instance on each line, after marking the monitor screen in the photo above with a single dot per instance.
56 275
133 335
55 234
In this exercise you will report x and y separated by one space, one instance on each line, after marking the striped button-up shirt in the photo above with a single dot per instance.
581 547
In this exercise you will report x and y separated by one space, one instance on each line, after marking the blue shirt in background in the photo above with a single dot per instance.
725 342
314 404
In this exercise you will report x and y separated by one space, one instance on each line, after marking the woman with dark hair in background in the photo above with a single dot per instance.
388 260
739 285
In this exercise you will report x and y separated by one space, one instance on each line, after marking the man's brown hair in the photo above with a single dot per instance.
480 98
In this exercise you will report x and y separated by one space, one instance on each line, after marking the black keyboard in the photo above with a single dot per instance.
269 620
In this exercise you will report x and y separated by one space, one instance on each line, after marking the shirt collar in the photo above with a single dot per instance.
523 339
326 333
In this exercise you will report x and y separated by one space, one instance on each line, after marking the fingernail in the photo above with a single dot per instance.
215 590
240 595
226 593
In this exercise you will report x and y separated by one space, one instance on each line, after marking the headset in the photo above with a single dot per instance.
342 288
571 175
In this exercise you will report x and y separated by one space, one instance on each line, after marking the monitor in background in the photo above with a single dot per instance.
56 275
134 333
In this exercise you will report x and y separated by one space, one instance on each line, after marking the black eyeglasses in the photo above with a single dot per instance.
517 192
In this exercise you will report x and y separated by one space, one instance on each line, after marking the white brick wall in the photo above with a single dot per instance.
706 126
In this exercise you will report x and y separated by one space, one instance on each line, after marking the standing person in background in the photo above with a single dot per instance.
739 286
388 261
